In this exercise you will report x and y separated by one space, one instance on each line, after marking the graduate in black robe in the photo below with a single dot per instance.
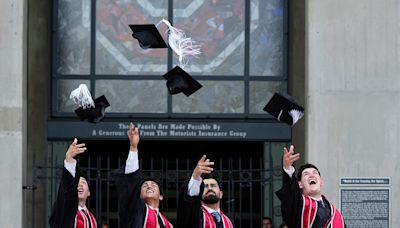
302 203
138 199
69 209
199 200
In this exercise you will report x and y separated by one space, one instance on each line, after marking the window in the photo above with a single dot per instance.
243 60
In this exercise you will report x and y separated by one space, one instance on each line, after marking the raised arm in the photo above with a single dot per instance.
134 137
289 194
190 195
128 179
289 157
73 150
204 165
66 204
132 163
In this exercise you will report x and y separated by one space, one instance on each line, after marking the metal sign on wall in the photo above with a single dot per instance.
365 201
171 130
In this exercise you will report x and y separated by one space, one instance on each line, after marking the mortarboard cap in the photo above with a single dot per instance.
283 107
148 36
93 114
179 80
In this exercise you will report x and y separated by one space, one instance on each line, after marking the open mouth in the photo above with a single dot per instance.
80 190
149 191
312 182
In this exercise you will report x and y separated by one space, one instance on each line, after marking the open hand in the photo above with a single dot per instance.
289 157
203 166
74 149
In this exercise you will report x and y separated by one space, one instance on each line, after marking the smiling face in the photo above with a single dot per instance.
311 182
83 189
150 190
212 193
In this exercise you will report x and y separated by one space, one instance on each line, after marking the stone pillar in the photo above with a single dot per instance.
296 66
38 78
353 92
12 111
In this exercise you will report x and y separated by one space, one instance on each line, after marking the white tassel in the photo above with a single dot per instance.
183 46
296 115
82 97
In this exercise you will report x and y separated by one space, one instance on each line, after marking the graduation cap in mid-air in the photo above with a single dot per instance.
179 81
148 36
92 111
94 114
283 107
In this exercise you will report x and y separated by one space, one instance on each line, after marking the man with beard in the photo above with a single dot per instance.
138 199
201 210
302 202
69 209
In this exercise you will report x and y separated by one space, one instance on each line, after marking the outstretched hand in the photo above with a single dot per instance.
134 137
203 166
289 157
74 149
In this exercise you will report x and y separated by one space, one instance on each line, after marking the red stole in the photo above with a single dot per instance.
151 220
309 212
81 220
208 220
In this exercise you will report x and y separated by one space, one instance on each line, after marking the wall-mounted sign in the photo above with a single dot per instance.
171 130
365 202
370 181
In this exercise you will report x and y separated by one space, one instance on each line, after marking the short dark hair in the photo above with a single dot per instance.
82 173
267 218
154 180
306 166
212 176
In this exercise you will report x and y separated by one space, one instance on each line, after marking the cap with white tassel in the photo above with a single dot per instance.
284 109
82 97
183 46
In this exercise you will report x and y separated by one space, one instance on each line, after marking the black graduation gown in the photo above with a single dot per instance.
132 209
66 205
189 208
291 199
189 213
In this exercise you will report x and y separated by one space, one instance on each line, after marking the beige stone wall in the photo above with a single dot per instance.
12 111
353 91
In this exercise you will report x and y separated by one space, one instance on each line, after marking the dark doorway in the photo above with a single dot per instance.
239 165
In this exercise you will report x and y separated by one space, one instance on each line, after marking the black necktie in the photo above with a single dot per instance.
323 212
160 221
88 217
217 219
321 203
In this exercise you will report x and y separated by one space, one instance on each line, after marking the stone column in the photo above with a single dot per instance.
353 92
12 111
